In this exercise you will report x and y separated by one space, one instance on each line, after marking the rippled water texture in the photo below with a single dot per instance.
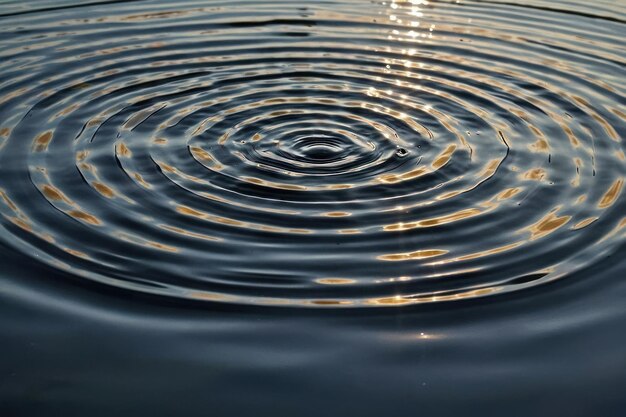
378 185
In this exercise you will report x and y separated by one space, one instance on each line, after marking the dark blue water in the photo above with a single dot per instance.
335 208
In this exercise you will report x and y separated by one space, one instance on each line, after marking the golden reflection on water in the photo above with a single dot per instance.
548 224
42 141
55 194
408 300
188 211
460 215
104 190
122 150
612 194
481 254
86 217
420 254
584 223
185 232
336 281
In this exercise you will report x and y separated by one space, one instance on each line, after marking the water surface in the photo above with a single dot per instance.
292 208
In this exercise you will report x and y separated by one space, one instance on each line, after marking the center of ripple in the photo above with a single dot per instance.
320 149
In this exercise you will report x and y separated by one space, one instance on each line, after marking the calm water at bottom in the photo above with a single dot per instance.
335 208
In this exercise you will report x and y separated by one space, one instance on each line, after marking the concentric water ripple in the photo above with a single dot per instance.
287 153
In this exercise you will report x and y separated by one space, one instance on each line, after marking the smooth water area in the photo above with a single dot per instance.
338 207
